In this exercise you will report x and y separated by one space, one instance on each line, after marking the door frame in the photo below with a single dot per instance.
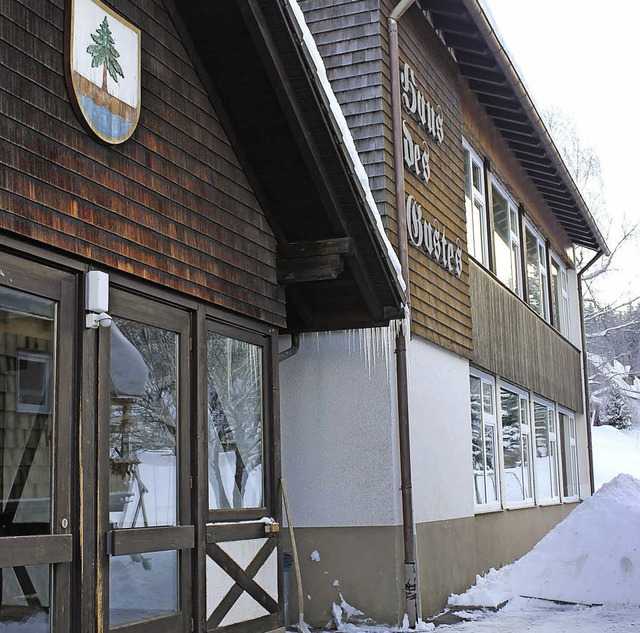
57 548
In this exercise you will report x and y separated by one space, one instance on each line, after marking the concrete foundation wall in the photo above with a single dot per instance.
363 565
451 553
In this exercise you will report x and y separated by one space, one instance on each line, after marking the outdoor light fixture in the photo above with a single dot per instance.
97 300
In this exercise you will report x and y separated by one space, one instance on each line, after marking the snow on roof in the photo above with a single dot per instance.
592 557
347 138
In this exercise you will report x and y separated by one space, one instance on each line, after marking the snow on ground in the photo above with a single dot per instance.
537 616
592 557
614 452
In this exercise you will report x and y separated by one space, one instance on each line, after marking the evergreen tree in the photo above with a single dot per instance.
616 411
104 52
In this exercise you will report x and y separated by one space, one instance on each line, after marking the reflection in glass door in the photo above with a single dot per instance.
146 442
30 360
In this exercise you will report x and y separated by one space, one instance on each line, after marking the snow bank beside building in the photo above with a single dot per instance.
615 451
592 557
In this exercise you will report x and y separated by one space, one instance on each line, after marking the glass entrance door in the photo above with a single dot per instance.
145 480
36 351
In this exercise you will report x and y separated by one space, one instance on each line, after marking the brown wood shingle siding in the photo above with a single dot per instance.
348 35
509 339
441 310
171 205
353 40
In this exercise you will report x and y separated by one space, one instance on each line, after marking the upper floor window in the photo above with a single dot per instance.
559 297
506 239
475 206
537 279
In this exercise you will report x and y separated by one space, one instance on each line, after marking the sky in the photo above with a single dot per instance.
581 56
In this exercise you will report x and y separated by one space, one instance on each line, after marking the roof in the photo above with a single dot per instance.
333 262
484 63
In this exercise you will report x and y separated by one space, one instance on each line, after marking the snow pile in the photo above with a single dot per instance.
592 557
615 451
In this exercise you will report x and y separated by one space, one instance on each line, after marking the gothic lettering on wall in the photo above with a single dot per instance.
414 102
432 238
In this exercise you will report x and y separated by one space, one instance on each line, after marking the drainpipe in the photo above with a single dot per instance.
411 578
585 371
292 350
396 116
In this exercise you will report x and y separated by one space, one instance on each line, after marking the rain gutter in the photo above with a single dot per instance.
411 576
585 372
486 30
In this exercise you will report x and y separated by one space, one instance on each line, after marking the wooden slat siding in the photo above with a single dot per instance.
441 303
487 141
513 342
171 205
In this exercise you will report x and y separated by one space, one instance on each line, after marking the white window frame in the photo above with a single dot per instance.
562 297
474 198
524 402
489 421
569 442
553 447
515 241
541 271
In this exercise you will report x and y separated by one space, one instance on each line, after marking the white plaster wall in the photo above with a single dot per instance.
440 414
339 434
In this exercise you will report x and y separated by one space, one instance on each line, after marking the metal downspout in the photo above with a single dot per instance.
411 578
585 371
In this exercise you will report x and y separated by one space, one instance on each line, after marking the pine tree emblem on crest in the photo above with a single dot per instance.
104 81
104 52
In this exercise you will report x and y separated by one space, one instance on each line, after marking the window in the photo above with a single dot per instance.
546 462
559 297
475 206
516 446
569 455
235 406
536 258
484 441
507 240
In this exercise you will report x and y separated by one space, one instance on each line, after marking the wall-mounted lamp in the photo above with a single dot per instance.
97 300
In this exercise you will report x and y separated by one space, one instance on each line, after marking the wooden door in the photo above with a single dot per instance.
144 468
243 590
37 322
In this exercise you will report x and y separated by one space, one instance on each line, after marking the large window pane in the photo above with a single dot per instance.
516 446
143 426
483 434
235 409
27 370
477 440
502 238
143 462
569 455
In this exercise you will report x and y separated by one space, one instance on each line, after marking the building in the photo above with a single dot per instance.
175 192
408 478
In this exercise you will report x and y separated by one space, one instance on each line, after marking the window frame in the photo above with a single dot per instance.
263 340
574 462
551 413
492 421
478 197
563 317
542 273
524 405
515 239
